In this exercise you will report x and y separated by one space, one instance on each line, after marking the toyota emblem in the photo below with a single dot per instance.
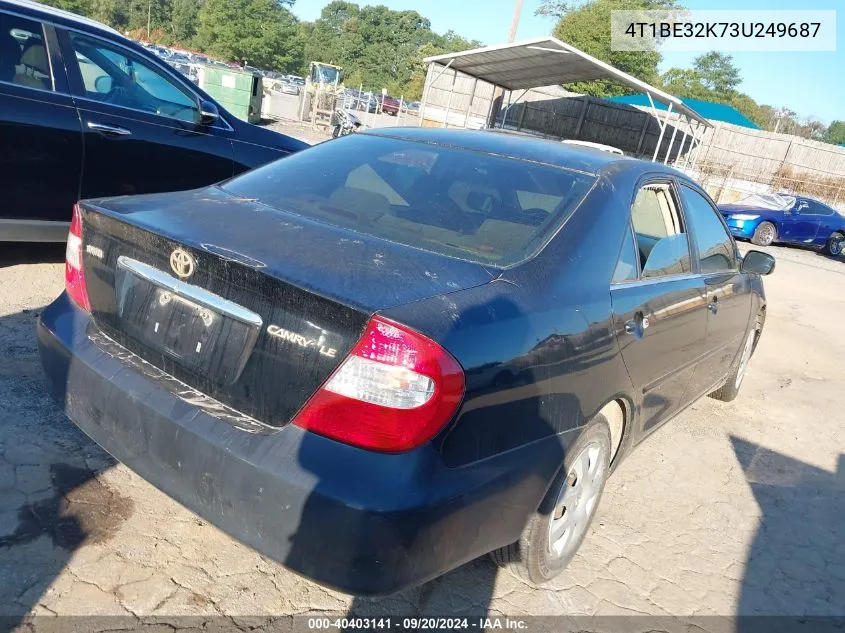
182 263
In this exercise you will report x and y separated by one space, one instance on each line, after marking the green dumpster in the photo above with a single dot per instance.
239 91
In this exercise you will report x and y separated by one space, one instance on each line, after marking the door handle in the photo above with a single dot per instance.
108 129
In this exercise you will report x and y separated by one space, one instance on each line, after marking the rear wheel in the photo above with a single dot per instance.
554 533
730 390
765 234
835 244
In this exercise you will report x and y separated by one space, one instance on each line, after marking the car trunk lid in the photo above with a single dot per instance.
249 305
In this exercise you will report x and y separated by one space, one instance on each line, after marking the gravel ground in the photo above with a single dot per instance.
729 509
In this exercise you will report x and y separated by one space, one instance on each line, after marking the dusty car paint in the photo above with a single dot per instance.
544 345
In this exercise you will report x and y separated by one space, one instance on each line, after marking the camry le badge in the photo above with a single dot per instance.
182 263
297 339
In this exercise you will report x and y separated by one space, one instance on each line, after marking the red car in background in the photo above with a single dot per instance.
389 105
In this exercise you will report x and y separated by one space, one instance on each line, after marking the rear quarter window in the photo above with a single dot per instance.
476 206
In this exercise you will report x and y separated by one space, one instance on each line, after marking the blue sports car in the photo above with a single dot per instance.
768 218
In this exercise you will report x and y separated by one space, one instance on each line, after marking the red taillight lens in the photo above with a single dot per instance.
74 277
394 391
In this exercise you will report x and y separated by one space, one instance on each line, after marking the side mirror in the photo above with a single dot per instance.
208 113
103 84
758 262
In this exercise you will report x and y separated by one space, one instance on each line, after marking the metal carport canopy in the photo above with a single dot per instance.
546 61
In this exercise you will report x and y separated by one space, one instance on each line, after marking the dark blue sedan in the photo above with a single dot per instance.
393 352
768 218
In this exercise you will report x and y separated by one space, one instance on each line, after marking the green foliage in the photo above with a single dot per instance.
183 20
717 72
586 26
836 133
83 7
714 77
376 46
258 32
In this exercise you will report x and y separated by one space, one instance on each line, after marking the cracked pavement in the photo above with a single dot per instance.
729 509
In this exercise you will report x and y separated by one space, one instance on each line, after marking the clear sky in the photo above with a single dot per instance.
812 84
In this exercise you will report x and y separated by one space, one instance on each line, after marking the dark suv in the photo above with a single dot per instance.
85 112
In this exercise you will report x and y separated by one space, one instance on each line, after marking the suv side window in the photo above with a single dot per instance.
715 247
23 53
661 240
113 75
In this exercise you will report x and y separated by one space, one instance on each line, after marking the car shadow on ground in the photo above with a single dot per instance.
834 258
51 500
796 562
15 253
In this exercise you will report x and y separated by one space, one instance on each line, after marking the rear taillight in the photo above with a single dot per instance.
394 391
74 277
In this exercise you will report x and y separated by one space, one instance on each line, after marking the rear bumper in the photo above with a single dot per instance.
362 522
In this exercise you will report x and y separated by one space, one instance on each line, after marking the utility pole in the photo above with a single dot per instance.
149 18
517 12
499 93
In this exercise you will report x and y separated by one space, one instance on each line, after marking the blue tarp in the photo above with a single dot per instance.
709 110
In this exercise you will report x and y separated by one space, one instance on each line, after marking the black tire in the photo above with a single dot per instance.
530 558
730 390
835 244
765 234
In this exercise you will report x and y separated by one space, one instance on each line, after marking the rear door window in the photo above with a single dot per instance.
23 53
661 240
466 204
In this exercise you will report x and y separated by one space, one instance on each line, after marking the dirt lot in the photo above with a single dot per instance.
731 508
286 109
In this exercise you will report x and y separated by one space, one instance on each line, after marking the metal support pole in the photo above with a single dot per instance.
471 99
522 115
699 141
683 140
646 125
449 102
490 123
582 116
507 109
692 140
671 140
662 132
426 91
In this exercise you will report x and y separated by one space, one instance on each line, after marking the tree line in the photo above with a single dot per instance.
384 48
376 46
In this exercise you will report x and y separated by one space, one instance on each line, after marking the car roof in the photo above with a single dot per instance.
61 13
518 146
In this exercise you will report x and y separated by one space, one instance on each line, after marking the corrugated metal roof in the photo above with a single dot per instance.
545 61
708 109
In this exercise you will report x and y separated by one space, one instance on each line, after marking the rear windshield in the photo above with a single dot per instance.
460 203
